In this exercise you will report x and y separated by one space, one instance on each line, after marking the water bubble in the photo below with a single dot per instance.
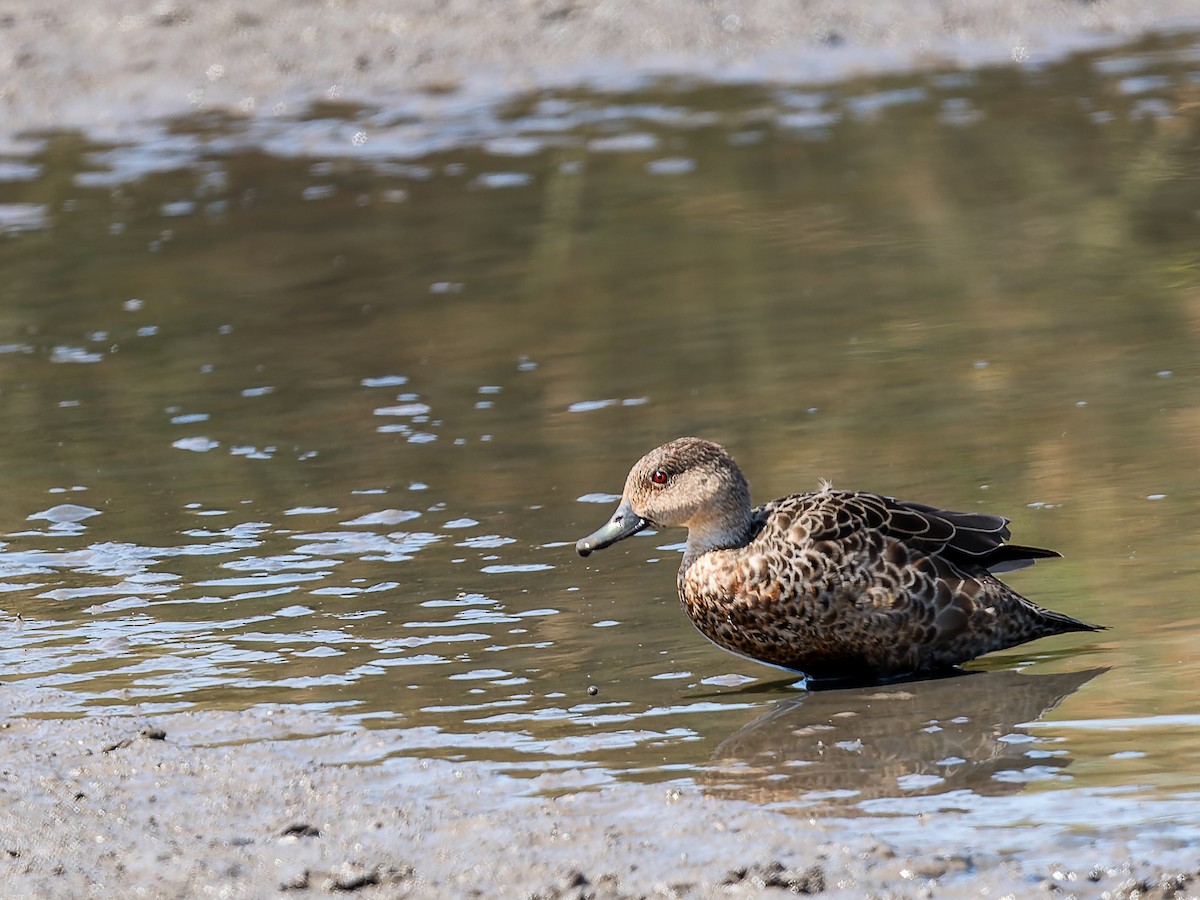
731 680
196 444
405 409
385 381
590 405
63 354
671 165
65 512
598 498
502 180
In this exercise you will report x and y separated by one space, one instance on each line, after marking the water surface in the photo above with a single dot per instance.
309 413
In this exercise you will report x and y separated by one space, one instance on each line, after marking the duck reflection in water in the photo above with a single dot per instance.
840 748
841 585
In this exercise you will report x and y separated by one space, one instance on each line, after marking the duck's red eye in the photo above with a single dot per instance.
659 477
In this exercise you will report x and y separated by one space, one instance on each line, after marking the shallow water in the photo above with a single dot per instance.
309 413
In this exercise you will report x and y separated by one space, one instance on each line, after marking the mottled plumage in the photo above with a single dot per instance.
834 584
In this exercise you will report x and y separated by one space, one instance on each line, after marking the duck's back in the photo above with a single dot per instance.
851 584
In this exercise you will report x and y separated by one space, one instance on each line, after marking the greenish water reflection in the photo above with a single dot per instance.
336 413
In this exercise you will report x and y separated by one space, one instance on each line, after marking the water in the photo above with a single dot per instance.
310 413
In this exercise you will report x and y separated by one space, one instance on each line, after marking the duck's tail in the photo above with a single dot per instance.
1061 623
1010 557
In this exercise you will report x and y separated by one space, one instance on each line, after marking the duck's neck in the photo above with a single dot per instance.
704 540
725 527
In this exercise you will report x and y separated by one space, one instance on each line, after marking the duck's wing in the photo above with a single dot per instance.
966 538
972 541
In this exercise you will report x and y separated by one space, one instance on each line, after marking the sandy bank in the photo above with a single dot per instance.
104 65
195 805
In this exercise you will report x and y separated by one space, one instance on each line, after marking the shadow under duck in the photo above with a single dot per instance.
833 584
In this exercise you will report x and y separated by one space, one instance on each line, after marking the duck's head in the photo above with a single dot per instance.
690 482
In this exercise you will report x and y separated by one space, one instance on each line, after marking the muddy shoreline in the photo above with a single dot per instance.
115 66
261 803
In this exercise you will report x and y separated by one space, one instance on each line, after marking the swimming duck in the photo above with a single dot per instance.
833 584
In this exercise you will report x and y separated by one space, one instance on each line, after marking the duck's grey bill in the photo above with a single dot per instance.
623 523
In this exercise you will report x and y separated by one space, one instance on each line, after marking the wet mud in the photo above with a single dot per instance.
117 65
251 804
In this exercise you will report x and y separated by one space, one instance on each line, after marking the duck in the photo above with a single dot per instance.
836 585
